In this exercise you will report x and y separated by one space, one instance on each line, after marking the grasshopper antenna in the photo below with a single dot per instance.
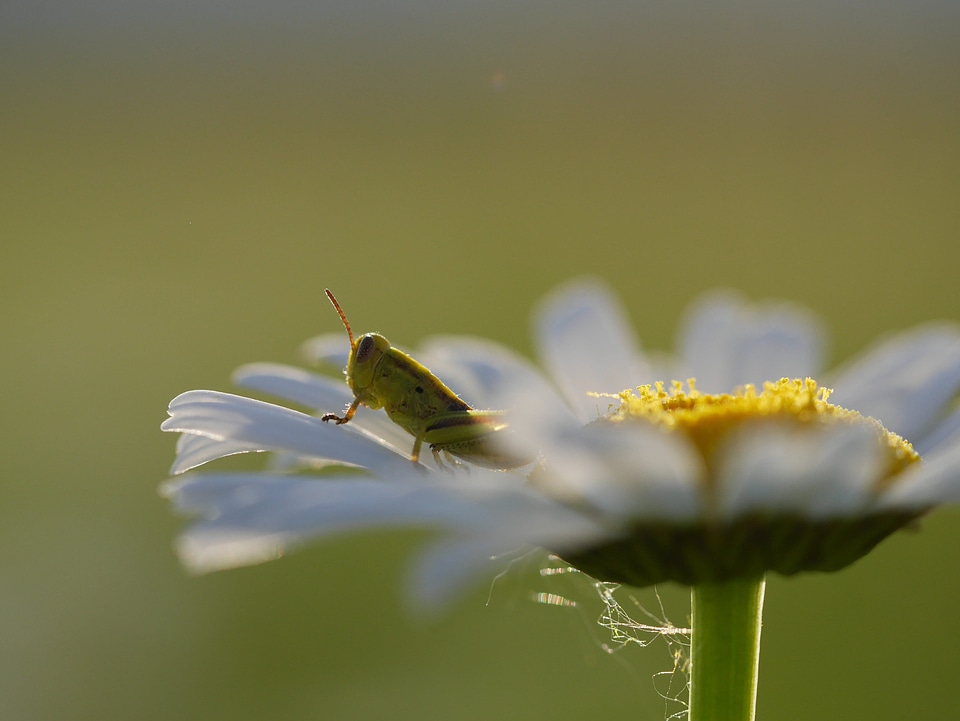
343 317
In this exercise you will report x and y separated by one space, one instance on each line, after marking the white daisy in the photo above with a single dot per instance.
684 484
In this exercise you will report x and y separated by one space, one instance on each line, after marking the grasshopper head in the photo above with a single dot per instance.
365 354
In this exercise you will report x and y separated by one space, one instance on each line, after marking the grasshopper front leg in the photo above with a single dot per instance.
346 416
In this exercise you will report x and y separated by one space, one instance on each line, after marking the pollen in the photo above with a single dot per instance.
707 419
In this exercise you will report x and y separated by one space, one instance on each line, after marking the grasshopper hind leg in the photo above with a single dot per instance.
438 456
452 463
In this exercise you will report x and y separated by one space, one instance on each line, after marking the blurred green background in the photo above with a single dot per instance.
179 181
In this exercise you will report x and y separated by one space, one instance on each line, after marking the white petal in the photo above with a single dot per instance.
267 427
725 342
446 570
906 381
305 503
485 374
934 482
193 451
944 436
324 395
819 472
587 344
627 471
255 517
295 385
536 417
449 568
330 348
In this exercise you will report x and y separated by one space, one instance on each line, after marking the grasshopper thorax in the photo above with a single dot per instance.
365 355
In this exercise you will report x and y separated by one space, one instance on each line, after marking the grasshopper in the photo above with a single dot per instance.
382 376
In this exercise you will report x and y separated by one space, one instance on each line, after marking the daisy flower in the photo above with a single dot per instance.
749 466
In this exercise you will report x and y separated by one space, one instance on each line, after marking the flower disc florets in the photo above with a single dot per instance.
733 539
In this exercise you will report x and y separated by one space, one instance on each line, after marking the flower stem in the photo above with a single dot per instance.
725 650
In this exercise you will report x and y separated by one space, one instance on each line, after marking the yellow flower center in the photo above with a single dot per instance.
706 419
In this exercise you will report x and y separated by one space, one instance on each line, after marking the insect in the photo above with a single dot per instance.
381 376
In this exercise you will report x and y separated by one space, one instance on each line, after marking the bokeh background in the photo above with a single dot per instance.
180 180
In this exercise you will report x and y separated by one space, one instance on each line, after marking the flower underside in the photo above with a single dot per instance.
755 540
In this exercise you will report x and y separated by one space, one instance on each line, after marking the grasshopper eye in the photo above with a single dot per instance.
367 344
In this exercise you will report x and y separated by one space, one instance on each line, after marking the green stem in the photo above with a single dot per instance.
725 650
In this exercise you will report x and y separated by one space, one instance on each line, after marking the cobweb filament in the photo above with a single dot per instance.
625 629
553 599
619 617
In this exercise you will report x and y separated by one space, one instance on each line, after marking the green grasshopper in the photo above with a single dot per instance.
381 376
